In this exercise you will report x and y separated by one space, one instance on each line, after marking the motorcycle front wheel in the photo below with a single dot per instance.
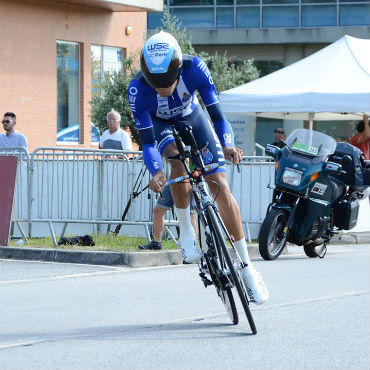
271 238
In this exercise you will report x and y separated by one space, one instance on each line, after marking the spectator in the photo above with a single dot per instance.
362 139
279 135
164 203
115 137
11 137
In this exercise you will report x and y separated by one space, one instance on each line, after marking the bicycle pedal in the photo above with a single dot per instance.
205 280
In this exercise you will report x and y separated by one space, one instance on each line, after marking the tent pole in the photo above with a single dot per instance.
310 117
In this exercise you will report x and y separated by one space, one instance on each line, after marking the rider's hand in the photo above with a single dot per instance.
157 182
233 154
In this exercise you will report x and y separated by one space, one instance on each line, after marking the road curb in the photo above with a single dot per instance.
131 259
139 259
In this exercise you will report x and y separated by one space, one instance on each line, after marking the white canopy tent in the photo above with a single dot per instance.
332 84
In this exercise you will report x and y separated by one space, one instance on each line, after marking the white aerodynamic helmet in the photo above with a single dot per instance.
161 60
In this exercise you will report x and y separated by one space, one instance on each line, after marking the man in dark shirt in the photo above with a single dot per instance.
280 137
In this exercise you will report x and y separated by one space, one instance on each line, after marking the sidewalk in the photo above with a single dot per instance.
139 259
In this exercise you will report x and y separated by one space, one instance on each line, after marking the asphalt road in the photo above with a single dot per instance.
69 316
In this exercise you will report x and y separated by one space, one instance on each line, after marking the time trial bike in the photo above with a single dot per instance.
220 264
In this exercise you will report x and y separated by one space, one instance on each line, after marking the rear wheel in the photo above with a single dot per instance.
218 231
272 239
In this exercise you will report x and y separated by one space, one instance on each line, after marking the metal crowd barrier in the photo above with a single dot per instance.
84 186
90 188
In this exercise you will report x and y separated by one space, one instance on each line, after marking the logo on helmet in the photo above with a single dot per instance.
158 46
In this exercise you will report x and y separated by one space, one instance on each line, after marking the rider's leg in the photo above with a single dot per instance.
181 197
158 223
230 214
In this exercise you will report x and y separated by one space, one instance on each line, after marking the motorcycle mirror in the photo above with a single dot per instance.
333 167
272 150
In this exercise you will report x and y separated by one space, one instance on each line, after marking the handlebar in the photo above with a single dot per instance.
196 173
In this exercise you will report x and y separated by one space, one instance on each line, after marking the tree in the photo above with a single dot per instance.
114 87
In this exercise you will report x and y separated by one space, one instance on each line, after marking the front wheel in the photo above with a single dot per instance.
217 230
272 239
222 285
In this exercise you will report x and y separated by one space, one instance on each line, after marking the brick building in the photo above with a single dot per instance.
52 54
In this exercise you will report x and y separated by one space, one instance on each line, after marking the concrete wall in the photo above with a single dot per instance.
28 62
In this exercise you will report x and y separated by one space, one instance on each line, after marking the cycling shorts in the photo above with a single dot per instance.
203 133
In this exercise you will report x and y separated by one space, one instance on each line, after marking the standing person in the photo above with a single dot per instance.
115 137
280 137
362 139
164 204
11 137
164 93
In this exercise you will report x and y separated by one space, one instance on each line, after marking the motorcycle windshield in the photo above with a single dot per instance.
311 142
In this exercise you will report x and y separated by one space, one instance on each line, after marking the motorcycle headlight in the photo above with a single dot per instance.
292 177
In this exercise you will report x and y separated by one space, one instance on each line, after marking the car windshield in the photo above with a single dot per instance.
311 142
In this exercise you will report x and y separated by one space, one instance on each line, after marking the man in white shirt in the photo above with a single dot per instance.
11 137
115 137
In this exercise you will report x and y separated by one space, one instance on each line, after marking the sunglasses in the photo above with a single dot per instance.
279 132
7 121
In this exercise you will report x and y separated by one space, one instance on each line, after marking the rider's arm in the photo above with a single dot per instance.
222 126
143 121
152 158
208 92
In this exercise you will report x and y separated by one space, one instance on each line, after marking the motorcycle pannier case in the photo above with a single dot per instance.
345 214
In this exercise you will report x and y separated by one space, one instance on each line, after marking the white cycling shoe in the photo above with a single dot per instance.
190 251
256 287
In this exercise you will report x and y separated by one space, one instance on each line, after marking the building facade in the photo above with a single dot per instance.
54 53
275 33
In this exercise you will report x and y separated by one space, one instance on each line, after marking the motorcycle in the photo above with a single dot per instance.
317 191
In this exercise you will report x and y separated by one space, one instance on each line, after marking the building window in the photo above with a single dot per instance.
354 15
248 17
275 13
315 16
280 16
195 17
104 60
225 17
68 90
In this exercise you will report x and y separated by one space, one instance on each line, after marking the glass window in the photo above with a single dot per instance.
104 59
318 1
280 16
354 15
191 2
224 2
194 18
154 20
325 15
246 2
68 85
248 17
225 17
279 1
96 70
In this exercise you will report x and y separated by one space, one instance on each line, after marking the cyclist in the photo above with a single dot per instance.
164 93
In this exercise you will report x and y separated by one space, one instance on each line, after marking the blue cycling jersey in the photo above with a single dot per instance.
145 103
